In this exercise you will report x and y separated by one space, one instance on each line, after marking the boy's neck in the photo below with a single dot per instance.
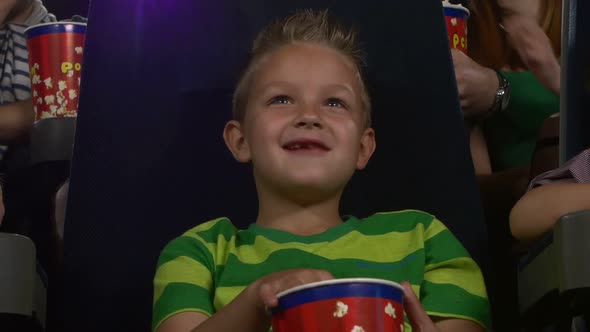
289 216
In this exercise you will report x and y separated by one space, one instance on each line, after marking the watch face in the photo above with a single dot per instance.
505 94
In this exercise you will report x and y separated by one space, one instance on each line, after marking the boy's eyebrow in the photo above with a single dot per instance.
331 87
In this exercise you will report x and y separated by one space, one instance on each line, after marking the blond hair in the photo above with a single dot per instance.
306 26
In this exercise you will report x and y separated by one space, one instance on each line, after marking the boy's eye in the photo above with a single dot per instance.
280 100
336 102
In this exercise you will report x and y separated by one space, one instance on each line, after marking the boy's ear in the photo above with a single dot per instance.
368 146
236 142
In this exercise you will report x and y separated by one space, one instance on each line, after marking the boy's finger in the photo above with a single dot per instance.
418 318
268 296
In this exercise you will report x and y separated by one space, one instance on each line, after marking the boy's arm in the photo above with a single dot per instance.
247 312
452 292
421 322
15 119
240 315
538 210
457 325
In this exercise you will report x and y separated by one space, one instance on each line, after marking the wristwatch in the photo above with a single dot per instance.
502 94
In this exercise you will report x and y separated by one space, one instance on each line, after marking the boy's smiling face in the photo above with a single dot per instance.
304 127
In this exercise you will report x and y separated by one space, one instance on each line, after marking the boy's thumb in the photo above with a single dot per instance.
419 320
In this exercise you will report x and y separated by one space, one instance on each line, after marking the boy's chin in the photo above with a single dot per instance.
310 192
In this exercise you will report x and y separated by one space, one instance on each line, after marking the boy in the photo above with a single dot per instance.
302 118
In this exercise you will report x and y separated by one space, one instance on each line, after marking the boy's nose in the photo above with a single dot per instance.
308 121
308 118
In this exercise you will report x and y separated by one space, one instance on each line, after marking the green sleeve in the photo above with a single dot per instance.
512 134
183 280
453 285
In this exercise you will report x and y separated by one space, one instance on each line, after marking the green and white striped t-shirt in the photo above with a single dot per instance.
208 266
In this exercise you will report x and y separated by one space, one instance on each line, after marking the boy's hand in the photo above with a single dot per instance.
265 289
419 320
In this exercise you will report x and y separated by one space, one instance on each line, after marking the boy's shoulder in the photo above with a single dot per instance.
401 221
210 231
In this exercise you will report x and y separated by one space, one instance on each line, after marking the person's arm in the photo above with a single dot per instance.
452 292
421 322
525 8
538 210
457 325
248 311
534 47
479 152
5 9
15 120
477 85
239 315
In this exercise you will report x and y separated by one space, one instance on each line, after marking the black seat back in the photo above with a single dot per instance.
149 161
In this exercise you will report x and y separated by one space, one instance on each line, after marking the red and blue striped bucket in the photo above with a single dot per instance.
351 305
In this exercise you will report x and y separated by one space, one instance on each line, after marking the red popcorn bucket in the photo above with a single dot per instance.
456 17
347 305
55 63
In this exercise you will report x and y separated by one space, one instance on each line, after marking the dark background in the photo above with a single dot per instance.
64 9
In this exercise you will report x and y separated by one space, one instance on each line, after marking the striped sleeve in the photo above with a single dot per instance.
453 285
183 280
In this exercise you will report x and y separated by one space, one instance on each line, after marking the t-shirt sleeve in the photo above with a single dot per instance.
453 285
183 280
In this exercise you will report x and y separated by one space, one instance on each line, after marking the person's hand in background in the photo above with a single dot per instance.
15 120
477 84
529 40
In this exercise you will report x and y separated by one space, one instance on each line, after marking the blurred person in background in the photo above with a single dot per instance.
508 86
521 47
514 46
16 109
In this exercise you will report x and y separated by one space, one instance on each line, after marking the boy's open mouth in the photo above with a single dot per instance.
305 145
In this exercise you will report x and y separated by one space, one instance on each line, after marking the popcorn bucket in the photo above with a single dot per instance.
347 305
55 62
456 17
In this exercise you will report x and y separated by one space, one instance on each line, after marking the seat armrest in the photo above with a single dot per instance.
17 274
571 236
558 263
